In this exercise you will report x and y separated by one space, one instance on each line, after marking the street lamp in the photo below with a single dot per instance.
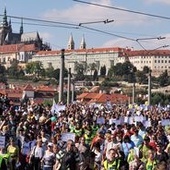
68 86
61 76
149 87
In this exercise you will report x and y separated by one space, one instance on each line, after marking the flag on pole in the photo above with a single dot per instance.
56 108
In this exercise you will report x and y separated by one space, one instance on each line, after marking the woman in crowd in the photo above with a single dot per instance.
48 159
13 151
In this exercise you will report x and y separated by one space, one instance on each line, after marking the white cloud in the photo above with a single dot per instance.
80 13
158 1
46 36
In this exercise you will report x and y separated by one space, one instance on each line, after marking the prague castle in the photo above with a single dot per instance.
27 47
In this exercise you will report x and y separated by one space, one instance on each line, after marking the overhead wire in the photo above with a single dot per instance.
131 11
45 25
77 26
122 9
70 25
40 20
108 33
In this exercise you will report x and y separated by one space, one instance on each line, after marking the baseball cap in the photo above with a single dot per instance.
50 144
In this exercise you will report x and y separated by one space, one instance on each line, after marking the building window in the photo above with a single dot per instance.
162 61
158 61
155 61
165 61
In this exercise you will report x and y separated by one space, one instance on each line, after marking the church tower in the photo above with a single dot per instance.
70 45
4 28
83 43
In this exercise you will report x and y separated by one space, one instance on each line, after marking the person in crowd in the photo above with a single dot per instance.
13 151
98 156
136 138
67 158
151 161
127 145
4 159
137 163
84 151
48 159
112 161
145 147
36 155
161 155
25 151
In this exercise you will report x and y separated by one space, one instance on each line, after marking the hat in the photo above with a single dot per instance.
50 144
146 138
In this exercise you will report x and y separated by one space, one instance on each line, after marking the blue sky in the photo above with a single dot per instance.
126 24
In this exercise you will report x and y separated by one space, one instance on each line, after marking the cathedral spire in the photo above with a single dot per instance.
21 27
5 22
70 43
83 43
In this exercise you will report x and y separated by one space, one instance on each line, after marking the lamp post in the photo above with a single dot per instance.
68 86
61 76
149 87
73 91
133 93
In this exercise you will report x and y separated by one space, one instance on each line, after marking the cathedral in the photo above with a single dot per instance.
7 37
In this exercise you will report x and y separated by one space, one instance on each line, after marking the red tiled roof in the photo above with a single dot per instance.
17 47
12 93
92 50
130 53
46 88
102 97
28 87
81 96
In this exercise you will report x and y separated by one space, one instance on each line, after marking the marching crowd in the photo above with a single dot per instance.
32 137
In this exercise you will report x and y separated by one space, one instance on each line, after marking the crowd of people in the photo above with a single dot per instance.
32 137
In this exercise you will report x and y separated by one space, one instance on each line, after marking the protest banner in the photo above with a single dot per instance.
66 136
2 141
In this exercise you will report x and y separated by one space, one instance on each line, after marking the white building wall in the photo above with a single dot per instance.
100 59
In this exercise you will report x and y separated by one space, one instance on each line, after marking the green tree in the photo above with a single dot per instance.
3 74
121 69
80 70
146 69
15 71
56 73
35 67
141 78
92 67
95 75
103 71
50 72
163 79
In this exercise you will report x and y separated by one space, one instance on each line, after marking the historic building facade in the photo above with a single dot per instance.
157 60
20 46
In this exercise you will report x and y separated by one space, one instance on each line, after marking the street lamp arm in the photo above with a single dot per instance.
151 38
94 22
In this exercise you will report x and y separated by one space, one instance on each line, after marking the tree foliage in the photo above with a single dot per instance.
163 78
103 70
15 71
36 68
